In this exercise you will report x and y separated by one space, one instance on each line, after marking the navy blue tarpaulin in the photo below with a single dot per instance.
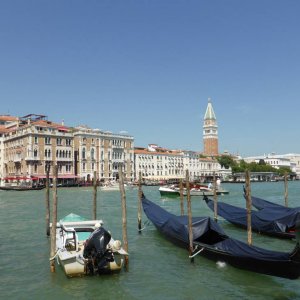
177 226
271 219
203 227
260 203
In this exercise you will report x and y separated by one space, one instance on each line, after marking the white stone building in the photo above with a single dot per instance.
291 161
156 163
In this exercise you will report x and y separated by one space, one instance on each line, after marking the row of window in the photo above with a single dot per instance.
59 153
151 157
59 141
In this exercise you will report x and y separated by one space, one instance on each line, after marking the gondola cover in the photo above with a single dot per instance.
274 220
213 243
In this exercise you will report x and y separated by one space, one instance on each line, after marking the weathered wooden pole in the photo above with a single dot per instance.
140 203
215 199
95 196
248 205
181 197
190 221
54 220
286 192
124 217
47 201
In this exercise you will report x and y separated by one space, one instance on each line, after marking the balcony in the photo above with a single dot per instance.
117 147
68 159
32 158
17 158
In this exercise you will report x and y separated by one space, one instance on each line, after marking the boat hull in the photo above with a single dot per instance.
74 266
169 192
17 188
80 250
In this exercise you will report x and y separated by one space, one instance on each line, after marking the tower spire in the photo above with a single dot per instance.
210 131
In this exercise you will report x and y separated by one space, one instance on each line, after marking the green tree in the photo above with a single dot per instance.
226 161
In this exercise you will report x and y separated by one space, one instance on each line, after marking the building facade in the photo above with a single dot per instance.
291 160
156 163
30 145
103 152
36 144
6 122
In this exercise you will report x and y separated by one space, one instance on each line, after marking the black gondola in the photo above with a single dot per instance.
260 203
213 243
22 188
275 222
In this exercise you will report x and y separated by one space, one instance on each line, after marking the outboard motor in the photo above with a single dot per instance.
96 252
297 232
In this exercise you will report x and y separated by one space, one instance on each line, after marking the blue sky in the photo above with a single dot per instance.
148 67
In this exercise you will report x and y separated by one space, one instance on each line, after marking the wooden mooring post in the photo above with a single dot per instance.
286 191
181 197
124 216
215 199
54 220
249 206
190 221
140 193
47 201
95 196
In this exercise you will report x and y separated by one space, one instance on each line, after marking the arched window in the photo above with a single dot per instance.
92 153
83 153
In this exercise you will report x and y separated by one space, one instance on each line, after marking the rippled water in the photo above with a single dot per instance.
157 268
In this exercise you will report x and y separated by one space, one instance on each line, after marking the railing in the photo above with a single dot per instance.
64 159
32 158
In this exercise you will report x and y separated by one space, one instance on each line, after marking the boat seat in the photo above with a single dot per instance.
70 239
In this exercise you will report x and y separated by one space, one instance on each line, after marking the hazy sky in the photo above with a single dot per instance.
148 68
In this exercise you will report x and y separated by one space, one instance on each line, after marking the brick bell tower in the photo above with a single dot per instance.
210 132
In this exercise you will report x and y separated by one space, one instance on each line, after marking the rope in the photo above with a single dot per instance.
145 226
80 259
53 257
192 256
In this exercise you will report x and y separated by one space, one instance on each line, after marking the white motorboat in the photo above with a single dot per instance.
84 247
110 186
203 191
196 190
170 191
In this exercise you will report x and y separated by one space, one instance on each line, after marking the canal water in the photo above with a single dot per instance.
157 268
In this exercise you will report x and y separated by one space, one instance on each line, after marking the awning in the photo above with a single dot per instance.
65 176
17 178
63 129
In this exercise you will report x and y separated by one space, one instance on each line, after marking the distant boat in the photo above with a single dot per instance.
209 240
21 188
205 191
170 191
84 247
110 186
195 190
